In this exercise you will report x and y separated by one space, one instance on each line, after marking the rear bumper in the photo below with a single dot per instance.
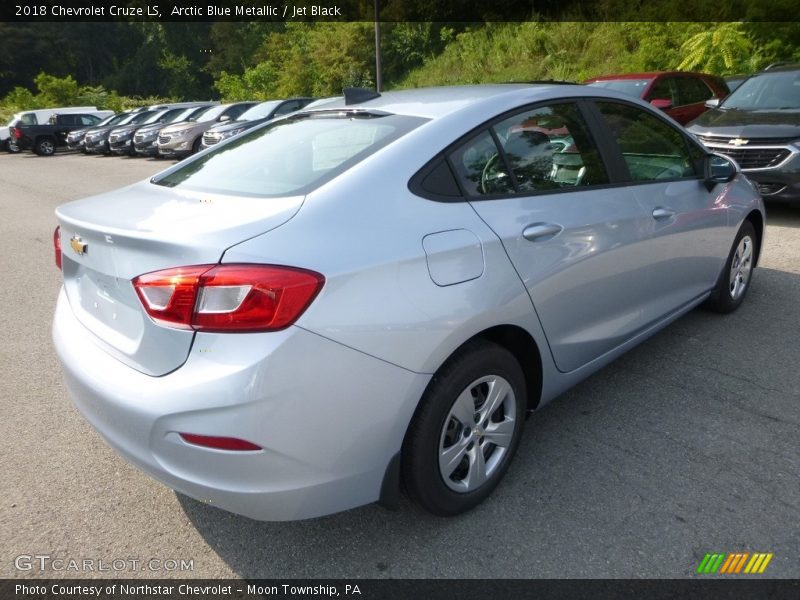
328 417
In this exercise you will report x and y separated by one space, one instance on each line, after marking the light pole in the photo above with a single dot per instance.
378 75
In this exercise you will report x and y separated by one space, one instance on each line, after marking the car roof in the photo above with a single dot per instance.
647 75
436 102
779 68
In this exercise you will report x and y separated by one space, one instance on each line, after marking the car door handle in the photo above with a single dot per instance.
537 232
663 213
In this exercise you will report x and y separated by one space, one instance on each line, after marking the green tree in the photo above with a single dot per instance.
724 48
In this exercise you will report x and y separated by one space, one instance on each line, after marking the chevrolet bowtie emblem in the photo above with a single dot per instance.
739 142
78 245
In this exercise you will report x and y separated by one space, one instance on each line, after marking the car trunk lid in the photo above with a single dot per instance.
110 239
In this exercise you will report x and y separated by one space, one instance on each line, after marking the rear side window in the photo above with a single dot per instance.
652 149
29 119
538 150
290 157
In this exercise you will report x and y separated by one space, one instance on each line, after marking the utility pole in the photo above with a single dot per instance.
378 75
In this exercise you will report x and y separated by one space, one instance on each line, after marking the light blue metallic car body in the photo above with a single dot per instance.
408 281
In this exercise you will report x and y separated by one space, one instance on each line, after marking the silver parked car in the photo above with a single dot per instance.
182 139
379 289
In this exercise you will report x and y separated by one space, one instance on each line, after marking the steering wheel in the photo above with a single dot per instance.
493 175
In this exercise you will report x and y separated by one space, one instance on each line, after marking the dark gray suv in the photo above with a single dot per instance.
758 125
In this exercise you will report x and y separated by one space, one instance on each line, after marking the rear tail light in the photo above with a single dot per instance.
228 298
220 443
16 132
57 245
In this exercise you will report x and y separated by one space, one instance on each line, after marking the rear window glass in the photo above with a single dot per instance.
290 157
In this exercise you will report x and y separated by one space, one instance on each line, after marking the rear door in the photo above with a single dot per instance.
538 180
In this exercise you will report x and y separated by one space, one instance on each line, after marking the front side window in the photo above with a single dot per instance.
664 89
652 149
290 157
693 91
542 149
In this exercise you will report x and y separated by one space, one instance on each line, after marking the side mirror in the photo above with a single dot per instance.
718 168
224 118
661 103
712 103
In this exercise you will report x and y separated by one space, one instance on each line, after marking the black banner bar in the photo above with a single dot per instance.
477 11
738 588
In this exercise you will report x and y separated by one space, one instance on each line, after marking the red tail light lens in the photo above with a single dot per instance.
228 298
57 245
220 443
16 132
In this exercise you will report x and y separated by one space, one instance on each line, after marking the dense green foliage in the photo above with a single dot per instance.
114 65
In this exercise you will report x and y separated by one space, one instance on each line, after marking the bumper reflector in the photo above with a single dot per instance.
220 443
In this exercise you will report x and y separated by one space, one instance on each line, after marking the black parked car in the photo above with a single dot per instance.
75 138
260 113
44 139
758 125
96 139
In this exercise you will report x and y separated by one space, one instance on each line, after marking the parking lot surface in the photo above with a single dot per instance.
688 444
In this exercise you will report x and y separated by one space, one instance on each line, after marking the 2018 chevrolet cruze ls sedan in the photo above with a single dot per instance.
377 291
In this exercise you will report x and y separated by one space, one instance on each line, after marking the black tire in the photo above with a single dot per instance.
728 295
196 145
437 430
45 146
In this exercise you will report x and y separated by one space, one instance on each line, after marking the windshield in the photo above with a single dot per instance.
141 117
290 156
183 114
766 91
106 121
632 87
259 111
155 117
210 113
114 119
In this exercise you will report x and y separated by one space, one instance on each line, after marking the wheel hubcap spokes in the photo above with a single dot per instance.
741 267
477 433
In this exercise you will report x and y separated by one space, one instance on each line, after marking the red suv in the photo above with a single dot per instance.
681 95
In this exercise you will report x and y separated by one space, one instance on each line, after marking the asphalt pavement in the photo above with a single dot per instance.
688 444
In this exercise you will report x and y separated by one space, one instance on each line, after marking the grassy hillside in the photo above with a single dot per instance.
503 52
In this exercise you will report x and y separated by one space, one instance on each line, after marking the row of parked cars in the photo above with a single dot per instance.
758 125
170 130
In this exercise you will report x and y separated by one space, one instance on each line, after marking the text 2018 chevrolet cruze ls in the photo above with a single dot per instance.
378 290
